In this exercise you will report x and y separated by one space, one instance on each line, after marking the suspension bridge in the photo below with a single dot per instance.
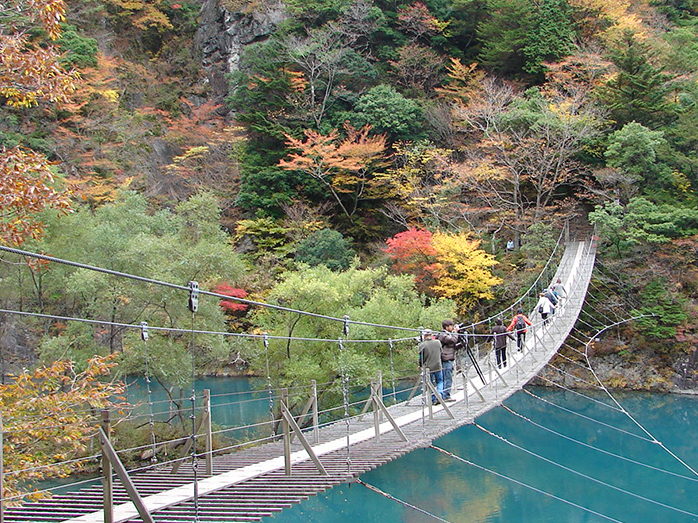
265 476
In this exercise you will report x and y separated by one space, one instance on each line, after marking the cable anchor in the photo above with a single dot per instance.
193 296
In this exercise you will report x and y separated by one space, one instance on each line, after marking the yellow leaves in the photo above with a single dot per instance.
462 271
463 81
111 95
46 418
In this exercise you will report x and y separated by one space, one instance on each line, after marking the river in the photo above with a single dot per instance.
602 486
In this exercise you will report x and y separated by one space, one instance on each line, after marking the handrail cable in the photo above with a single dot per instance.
398 500
201 291
535 489
603 451
188 331
586 476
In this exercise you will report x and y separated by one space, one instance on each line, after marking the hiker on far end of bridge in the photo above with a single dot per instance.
430 359
448 340
518 324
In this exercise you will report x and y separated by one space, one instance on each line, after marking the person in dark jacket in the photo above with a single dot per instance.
430 359
448 340
499 342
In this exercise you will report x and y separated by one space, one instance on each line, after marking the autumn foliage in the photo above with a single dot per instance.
448 265
26 188
229 290
48 417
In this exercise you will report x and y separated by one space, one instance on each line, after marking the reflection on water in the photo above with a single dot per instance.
461 493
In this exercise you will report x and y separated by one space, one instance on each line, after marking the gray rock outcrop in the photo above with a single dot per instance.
222 36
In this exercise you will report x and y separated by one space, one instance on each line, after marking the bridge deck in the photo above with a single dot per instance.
251 484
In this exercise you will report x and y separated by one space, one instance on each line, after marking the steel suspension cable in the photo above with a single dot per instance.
203 292
535 489
592 447
553 404
630 416
586 476
402 502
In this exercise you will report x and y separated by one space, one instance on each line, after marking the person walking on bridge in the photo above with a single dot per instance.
499 342
430 359
545 307
448 340
519 325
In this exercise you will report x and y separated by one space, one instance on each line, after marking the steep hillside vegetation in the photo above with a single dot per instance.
394 145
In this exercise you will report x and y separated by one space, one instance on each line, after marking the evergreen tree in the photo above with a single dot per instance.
551 37
505 35
638 91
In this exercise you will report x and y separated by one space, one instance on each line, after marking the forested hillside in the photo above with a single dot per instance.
346 157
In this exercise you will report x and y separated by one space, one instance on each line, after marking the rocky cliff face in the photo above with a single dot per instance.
223 35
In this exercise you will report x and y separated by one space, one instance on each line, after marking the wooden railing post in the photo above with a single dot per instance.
208 433
286 433
107 485
316 422
376 413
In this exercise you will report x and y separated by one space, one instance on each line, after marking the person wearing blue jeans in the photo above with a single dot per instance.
430 359
448 340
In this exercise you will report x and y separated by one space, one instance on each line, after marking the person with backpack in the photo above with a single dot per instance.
560 292
499 342
552 298
448 339
519 325
545 307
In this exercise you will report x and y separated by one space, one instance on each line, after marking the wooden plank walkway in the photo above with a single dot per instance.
250 484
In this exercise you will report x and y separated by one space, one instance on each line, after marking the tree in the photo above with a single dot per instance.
368 295
638 89
30 73
636 151
462 270
551 37
505 35
326 247
27 187
48 418
341 165
416 20
389 113
412 252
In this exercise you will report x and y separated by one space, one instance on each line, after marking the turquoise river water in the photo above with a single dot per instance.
597 485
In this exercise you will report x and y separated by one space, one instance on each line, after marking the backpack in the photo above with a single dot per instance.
520 323
551 296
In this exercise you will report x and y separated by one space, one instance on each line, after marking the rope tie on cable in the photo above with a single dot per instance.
149 391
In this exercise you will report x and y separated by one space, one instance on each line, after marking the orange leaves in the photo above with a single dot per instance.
29 71
29 75
340 164
26 188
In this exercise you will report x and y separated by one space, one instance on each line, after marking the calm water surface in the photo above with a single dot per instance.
459 492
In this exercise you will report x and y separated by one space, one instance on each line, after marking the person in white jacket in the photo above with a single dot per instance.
545 307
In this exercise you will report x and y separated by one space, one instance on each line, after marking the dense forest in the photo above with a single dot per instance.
367 159
361 158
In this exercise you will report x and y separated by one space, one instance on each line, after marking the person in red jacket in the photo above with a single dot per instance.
518 324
